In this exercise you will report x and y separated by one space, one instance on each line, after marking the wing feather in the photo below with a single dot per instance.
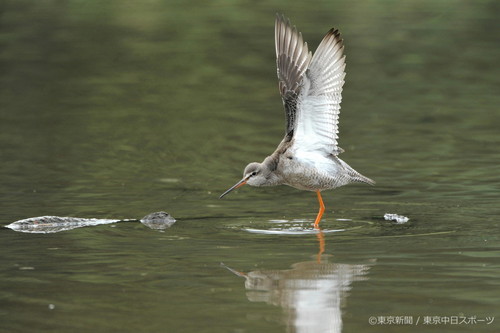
292 60
318 103
310 87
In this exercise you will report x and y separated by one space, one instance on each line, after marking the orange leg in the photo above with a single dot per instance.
321 210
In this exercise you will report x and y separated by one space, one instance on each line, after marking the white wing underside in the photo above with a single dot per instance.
317 91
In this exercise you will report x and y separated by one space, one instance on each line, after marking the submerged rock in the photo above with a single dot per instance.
158 220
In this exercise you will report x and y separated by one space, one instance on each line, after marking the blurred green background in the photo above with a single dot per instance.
120 108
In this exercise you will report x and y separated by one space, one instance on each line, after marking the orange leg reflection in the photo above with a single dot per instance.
321 240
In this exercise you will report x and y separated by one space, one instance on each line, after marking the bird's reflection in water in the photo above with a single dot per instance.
311 293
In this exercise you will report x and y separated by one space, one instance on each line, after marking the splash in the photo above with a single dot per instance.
399 219
51 224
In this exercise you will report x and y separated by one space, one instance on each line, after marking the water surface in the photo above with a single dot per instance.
118 109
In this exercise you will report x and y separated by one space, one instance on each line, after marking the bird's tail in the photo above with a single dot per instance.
355 176
363 179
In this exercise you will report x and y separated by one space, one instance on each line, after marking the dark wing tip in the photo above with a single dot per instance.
335 33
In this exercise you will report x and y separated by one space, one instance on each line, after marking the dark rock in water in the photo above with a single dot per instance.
158 220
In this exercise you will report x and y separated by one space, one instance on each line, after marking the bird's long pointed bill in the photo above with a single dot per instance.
235 186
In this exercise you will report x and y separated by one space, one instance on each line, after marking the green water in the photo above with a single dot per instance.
121 108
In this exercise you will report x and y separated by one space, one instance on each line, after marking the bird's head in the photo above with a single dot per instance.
255 174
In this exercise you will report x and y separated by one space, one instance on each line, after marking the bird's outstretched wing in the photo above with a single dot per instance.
311 88
292 60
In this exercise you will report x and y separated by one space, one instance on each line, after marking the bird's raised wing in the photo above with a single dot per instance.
312 95
292 60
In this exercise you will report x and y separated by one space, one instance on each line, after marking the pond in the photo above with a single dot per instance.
117 109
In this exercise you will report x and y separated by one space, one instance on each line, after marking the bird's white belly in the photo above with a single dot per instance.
311 172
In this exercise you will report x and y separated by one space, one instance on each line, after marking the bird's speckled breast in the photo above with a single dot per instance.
306 176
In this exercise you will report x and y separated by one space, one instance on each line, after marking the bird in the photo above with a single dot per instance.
311 90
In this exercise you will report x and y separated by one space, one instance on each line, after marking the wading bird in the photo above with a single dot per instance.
311 90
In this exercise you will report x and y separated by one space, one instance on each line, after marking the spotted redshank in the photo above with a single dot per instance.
311 90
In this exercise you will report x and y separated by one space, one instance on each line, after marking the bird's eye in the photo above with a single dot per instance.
253 173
